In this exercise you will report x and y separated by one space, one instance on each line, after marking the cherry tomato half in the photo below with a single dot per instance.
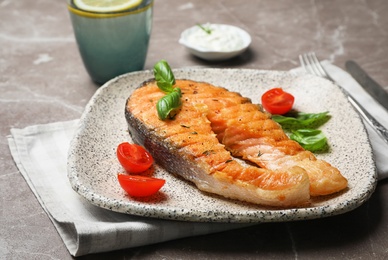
134 158
140 186
277 101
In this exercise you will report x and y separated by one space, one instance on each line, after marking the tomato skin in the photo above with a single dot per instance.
133 157
276 101
140 186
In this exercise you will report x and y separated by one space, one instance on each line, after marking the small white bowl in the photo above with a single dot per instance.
213 53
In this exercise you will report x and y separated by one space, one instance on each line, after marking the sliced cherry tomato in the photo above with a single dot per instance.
277 101
140 186
134 158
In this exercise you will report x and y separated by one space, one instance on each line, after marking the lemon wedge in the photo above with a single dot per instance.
106 6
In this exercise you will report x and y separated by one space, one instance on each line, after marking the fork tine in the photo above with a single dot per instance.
319 65
304 65
307 64
303 61
312 65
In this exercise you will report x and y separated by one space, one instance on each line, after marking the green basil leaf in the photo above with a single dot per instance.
168 106
164 76
178 90
300 120
310 139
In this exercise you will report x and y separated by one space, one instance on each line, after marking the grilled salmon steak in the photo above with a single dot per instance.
213 128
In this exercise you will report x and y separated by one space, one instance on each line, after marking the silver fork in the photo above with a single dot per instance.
311 65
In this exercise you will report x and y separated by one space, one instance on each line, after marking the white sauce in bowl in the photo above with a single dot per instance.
220 38
223 41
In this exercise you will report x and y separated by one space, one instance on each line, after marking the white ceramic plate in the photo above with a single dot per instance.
213 55
93 167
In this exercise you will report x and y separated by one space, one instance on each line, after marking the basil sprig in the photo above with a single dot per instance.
296 120
168 106
302 127
310 139
164 76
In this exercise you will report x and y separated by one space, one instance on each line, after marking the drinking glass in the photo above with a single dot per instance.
112 43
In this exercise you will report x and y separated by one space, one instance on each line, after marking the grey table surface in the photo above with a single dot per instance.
42 80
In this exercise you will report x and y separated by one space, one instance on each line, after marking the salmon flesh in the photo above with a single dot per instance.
213 128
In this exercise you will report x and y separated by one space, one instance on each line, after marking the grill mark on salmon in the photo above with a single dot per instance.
213 125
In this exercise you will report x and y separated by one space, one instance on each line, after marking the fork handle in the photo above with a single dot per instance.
380 129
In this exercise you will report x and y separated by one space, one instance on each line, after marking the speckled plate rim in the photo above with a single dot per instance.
83 182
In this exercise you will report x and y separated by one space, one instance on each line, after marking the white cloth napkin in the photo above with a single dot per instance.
345 80
40 153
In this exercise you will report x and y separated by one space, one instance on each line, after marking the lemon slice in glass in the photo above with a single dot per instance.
106 6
